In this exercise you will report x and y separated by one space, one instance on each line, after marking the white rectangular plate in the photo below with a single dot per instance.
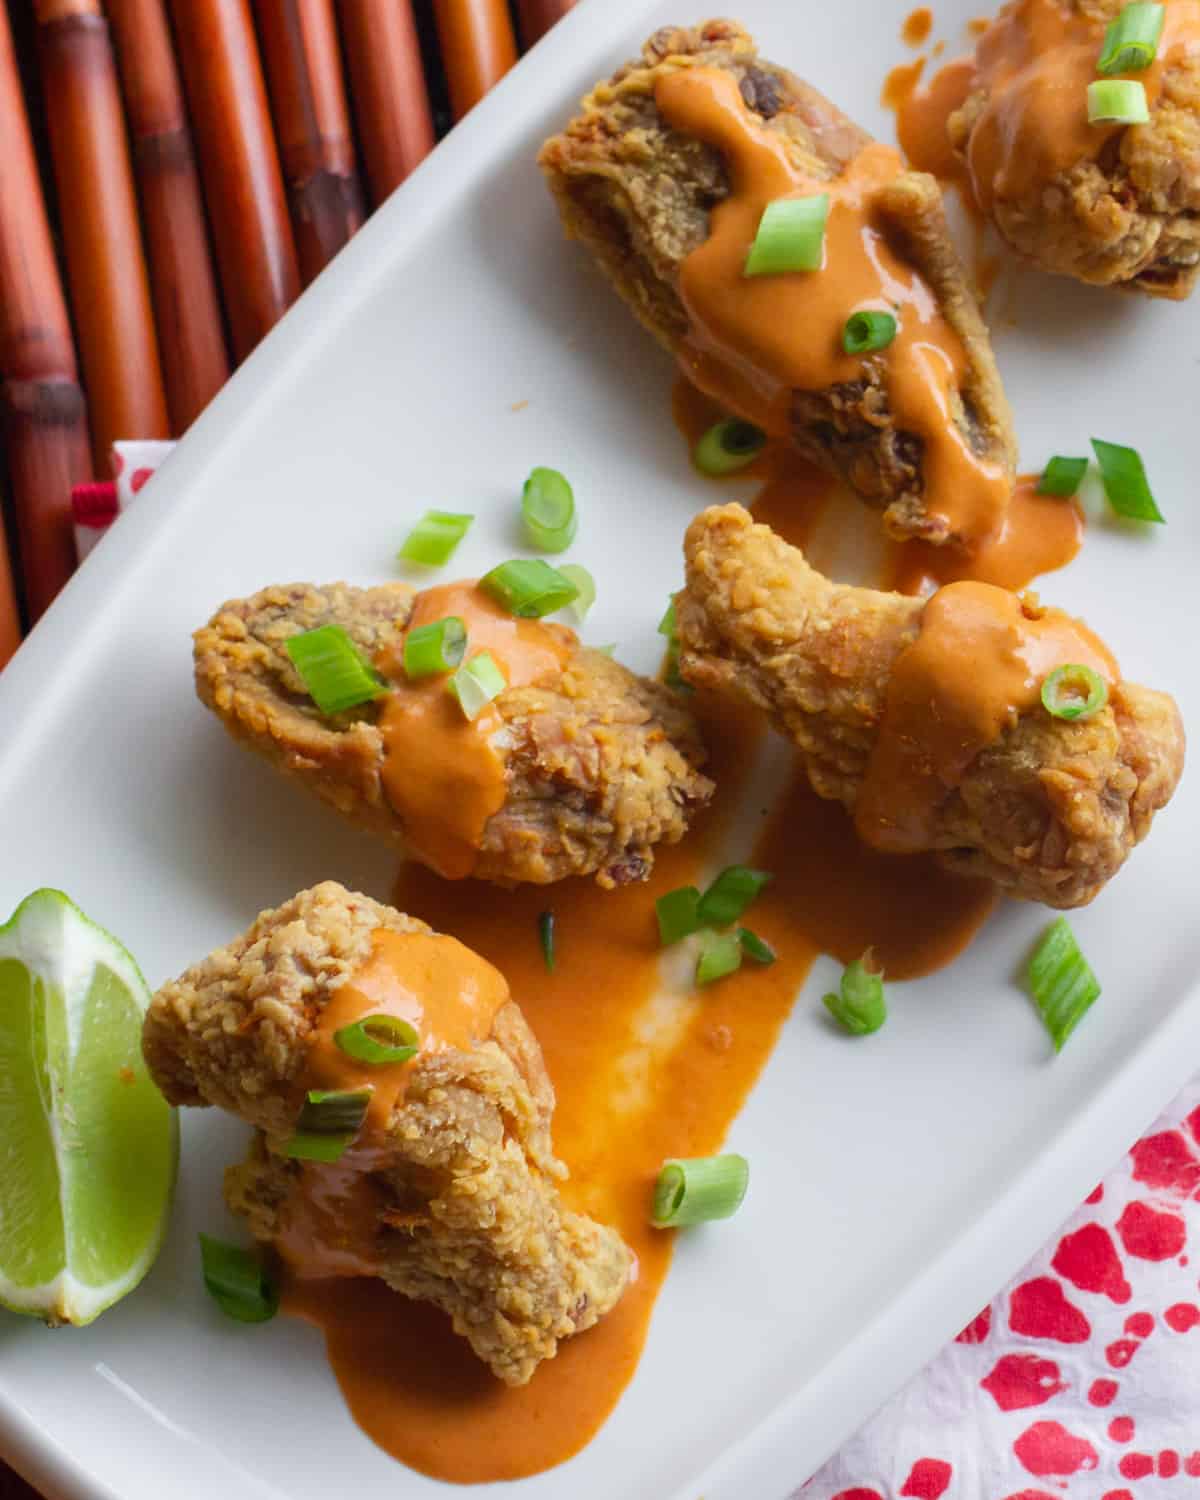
897 1182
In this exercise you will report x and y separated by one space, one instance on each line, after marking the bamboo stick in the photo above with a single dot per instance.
391 101
106 272
312 125
478 48
537 17
45 422
187 307
10 619
243 188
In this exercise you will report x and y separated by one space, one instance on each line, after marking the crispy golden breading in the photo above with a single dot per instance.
466 1208
640 196
1050 811
600 764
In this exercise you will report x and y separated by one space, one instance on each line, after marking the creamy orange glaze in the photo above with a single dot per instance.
444 775
753 340
976 665
922 112
917 26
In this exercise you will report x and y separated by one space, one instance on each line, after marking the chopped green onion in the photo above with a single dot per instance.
859 1005
754 947
791 236
237 1281
666 626
477 684
730 894
720 956
1117 102
435 536
1125 481
548 509
528 587
434 648
328 1123
546 933
868 330
1074 692
1061 981
699 1189
1131 39
585 589
728 446
314 1145
379 1039
1062 476
334 673
677 914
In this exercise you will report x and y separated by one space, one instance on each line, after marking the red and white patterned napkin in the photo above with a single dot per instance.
96 506
1081 1381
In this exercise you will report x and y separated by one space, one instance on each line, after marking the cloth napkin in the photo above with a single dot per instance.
1082 1379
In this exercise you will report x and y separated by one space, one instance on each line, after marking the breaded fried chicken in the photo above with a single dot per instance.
592 766
644 197
454 1198
1046 807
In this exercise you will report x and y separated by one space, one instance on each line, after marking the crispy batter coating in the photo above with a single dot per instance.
639 196
1050 811
464 1207
1129 218
600 765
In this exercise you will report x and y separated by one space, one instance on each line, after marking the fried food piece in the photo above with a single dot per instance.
456 1202
642 196
1048 809
596 765
1109 205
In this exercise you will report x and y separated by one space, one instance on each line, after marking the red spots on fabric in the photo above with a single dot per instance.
1031 1495
1150 1234
858 1494
1048 1448
139 478
1120 1353
1020 1380
977 1330
1039 1310
1193 1123
1168 1464
1103 1392
1088 1259
1136 1466
1191 1464
1165 1161
1139 1325
1096 1194
1121 1429
929 1480
1182 1316
1117 1495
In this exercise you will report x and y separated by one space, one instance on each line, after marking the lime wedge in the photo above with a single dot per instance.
88 1146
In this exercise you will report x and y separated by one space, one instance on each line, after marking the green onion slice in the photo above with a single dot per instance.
546 934
859 1005
728 446
528 588
667 625
477 684
1062 476
336 676
754 947
585 589
328 1123
720 956
1074 692
791 236
379 1039
1125 482
1061 981
677 914
435 648
548 509
1117 101
698 1190
237 1281
867 331
435 536
1131 40
734 889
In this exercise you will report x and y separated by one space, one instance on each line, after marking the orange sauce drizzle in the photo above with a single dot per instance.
743 345
976 665
442 773
917 26
921 115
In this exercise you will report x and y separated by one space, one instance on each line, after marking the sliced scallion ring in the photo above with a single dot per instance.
859 1004
435 648
790 237
728 446
380 1040
333 672
1074 692
755 947
546 937
699 1190
548 510
1062 476
237 1281
1117 101
433 539
1061 981
867 331
730 894
528 587
720 956
1131 40
477 683
328 1123
677 914
1125 482
585 588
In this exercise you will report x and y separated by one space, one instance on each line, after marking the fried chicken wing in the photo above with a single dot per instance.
924 717
450 1192
1109 204
664 176
578 767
